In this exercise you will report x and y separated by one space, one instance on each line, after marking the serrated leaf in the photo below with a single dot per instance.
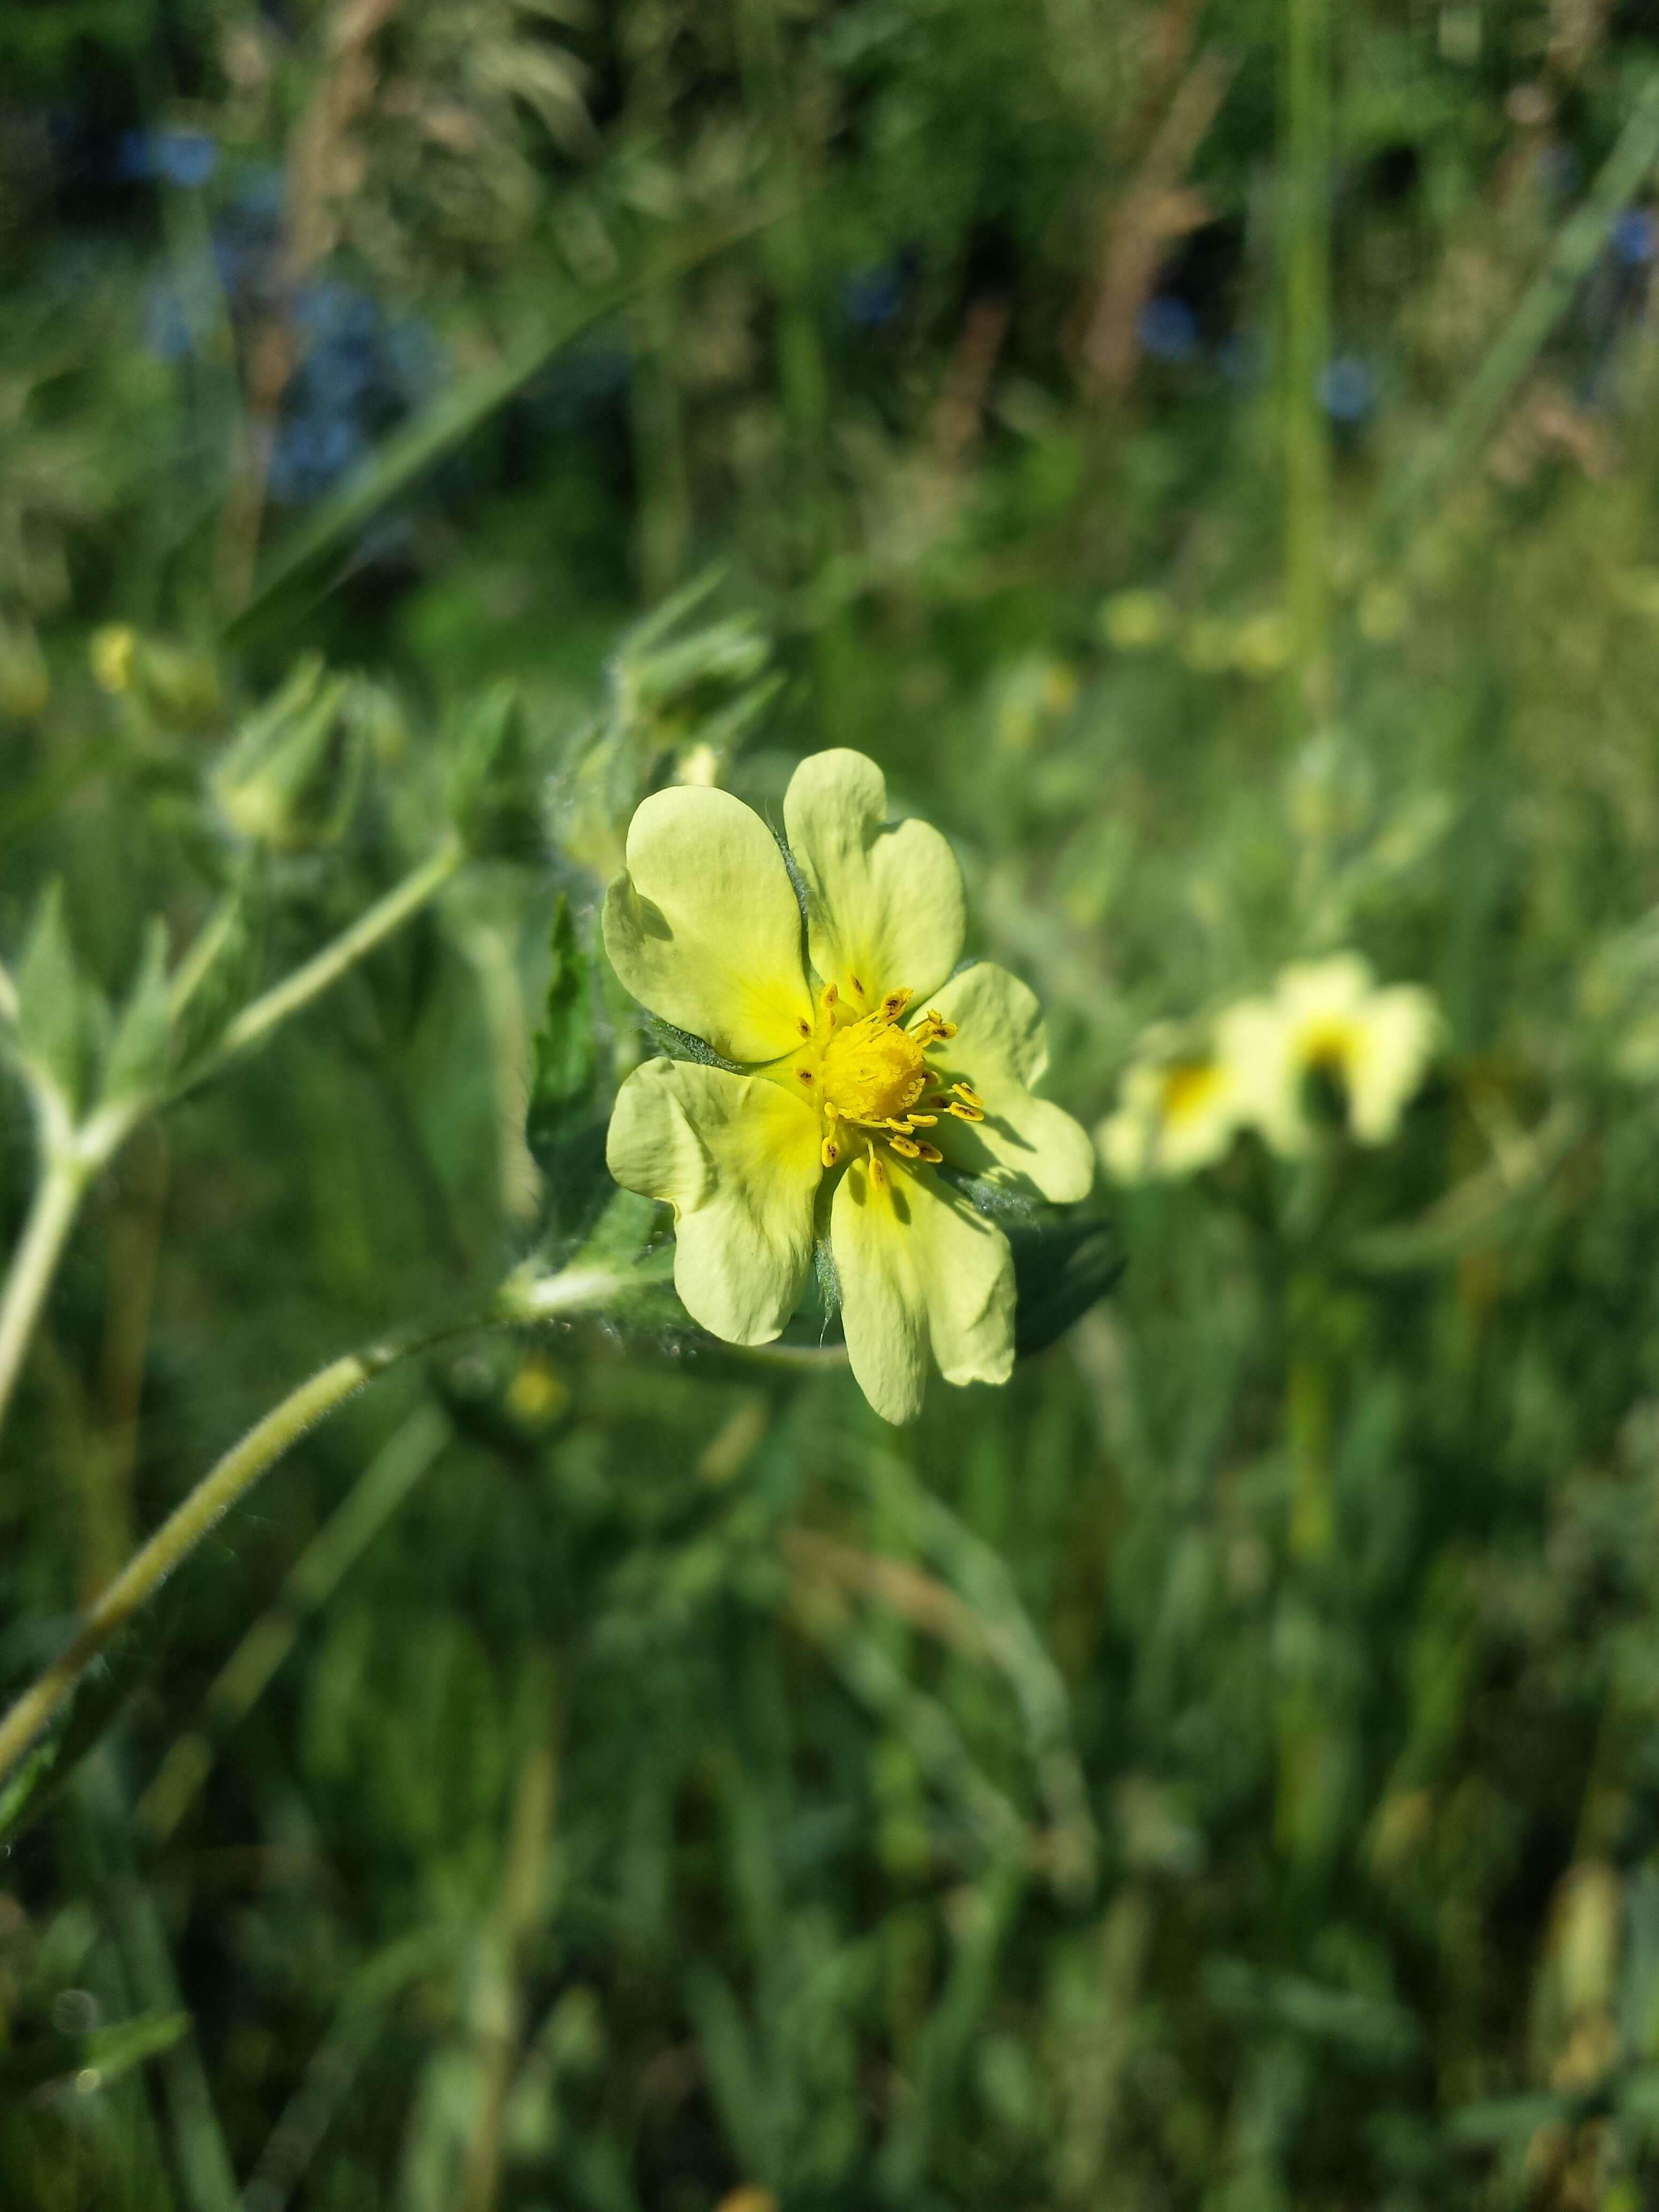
138 1064
564 1124
51 1026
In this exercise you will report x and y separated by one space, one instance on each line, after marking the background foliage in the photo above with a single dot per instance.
1207 453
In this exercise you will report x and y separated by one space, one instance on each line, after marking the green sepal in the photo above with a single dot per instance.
493 788
137 1066
290 779
55 1008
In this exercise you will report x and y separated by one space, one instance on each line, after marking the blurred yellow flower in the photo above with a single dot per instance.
1263 645
111 653
1177 1111
1133 622
1328 1018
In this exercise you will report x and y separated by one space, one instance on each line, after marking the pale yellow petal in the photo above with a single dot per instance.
1401 1026
1257 1044
736 1157
919 1271
703 926
999 1050
883 904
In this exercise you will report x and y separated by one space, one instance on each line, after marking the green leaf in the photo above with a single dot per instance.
137 1063
94 1705
1063 1264
565 1123
108 2052
51 1026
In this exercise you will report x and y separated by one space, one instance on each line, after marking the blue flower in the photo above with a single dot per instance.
1167 328
873 296
167 326
1634 237
186 158
311 451
1347 389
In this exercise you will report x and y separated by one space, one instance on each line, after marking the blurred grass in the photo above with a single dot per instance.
1207 454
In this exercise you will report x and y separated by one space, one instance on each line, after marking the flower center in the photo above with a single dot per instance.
870 1082
872 1072
1329 1047
1188 1087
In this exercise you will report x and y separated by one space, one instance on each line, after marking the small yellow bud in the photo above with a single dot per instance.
1135 622
111 653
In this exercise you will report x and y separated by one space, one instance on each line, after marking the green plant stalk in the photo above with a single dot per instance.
1306 346
522 1297
256 1022
51 1217
242 1680
74 1155
1578 245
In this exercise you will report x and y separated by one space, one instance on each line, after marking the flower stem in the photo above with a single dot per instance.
73 1156
256 1022
56 1201
518 1300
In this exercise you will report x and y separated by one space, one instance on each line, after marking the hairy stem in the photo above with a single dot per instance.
51 1217
518 1300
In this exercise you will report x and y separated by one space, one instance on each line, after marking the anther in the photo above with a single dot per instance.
830 1110
968 1095
803 1075
921 1120
856 985
830 1152
931 1153
966 1112
878 1173
893 1004
907 1146
805 1026
830 995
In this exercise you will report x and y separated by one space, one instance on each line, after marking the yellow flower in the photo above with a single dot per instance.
1177 1111
1328 1018
1135 622
862 1071
111 654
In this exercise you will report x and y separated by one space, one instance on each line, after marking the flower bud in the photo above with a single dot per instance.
290 779
175 685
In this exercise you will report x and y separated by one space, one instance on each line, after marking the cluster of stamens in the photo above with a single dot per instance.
872 1082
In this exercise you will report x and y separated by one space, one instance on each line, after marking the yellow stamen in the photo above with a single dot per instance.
830 1152
878 1173
893 1004
906 1145
872 1072
931 1153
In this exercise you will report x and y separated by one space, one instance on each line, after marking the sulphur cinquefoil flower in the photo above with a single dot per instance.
1178 1109
865 1068
1328 1018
